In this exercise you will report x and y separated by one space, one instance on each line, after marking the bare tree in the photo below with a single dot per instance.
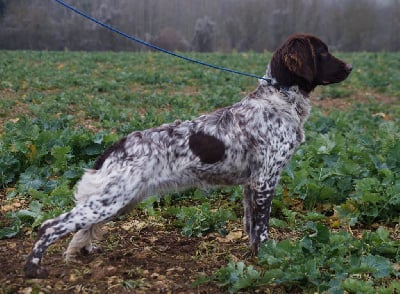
171 40
204 35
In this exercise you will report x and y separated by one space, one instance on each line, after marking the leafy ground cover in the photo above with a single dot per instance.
335 224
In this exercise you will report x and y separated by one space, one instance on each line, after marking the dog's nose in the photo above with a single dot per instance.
349 67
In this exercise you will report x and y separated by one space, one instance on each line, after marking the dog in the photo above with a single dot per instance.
248 143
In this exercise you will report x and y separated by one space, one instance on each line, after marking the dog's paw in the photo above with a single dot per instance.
254 249
91 249
34 271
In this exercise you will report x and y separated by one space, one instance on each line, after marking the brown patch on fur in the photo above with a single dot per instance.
208 148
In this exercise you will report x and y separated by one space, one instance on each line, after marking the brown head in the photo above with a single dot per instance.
304 60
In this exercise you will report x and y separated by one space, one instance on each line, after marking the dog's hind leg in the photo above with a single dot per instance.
84 218
83 240
50 231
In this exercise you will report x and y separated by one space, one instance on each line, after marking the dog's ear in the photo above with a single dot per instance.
299 57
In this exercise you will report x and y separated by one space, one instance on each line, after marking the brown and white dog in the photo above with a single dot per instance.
248 143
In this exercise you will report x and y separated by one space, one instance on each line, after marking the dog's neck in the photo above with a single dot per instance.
268 80
292 95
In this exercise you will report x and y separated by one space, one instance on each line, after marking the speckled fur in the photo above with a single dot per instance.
248 144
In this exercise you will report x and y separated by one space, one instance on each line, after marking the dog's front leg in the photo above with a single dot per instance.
248 219
258 201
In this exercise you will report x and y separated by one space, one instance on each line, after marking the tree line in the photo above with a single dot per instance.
200 25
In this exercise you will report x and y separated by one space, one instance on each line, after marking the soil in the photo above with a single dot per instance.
328 104
135 257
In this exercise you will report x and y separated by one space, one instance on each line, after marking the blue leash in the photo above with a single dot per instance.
104 25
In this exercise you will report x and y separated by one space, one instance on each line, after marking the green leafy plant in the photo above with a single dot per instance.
320 261
201 220
350 160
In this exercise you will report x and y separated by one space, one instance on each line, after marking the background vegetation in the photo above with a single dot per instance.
200 25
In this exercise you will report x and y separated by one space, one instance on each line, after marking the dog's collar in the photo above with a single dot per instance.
270 81
283 89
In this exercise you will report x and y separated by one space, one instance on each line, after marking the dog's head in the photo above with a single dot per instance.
304 60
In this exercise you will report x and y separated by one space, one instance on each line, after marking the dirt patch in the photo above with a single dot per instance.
151 260
12 108
136 257
328 104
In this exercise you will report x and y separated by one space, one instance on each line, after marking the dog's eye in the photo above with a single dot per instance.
322 51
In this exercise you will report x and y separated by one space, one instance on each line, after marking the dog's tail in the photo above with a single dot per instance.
89 185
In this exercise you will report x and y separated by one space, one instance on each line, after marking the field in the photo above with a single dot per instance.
335 219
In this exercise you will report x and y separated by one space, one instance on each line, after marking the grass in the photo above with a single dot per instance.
60 110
